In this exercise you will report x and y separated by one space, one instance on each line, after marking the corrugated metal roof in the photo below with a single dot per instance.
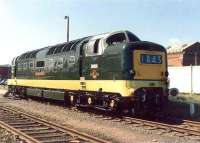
178 48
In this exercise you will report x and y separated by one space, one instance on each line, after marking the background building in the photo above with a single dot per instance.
4 71
184 54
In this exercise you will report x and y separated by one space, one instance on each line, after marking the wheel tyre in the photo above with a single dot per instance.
71 99
132 111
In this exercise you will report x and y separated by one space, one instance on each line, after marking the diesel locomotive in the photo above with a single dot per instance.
114 71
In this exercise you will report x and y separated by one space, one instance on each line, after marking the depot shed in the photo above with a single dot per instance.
4 71
184 54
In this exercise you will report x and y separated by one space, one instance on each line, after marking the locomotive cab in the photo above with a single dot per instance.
148 75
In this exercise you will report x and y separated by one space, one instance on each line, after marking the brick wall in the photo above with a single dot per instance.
187 56
175 59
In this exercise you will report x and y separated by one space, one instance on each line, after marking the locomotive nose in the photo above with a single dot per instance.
148 65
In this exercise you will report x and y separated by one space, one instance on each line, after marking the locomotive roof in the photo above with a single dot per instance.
30 54
65 46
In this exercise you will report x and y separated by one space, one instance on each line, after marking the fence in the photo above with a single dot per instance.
186 79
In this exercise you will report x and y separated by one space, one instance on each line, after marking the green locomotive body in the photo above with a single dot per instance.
112 71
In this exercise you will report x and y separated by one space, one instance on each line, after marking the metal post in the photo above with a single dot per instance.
67 17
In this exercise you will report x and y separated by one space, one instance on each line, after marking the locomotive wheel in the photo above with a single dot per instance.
132 111
72 100
90 101
23 93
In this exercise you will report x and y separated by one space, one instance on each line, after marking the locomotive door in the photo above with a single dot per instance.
81 65
89 55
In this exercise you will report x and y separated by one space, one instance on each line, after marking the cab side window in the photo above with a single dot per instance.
116 39
92 47
96 46
40 64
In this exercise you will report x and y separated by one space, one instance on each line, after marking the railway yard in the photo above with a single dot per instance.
45 122
72 92
99 72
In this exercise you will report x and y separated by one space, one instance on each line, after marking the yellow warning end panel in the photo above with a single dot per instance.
149 65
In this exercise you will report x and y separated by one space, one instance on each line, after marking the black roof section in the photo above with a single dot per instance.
30 54
63 47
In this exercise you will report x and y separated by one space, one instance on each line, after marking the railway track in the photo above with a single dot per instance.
177 127
186 128
32 129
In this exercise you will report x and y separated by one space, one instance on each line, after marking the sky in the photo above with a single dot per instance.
31 24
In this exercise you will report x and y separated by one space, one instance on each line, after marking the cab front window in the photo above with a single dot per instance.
116 39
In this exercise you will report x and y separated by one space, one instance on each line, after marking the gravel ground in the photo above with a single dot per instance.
6 137
117 132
